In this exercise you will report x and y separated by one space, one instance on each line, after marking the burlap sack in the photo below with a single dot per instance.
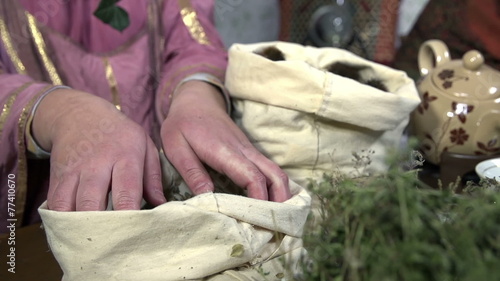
311 121
213 236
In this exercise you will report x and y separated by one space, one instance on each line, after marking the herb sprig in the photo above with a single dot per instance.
393 227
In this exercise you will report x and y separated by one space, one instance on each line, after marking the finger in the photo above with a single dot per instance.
189 167
241 171
127 180
153 190
93 188
56 175
62 192
277 179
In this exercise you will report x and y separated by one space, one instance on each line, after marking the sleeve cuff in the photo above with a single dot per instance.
34 150
211 79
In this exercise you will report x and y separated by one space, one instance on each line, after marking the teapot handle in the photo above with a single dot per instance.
431 54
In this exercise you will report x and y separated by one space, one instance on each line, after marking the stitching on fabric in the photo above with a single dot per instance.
327 87
216 202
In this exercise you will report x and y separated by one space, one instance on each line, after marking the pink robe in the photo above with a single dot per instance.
136 69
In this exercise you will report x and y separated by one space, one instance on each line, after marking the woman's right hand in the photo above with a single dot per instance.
95 148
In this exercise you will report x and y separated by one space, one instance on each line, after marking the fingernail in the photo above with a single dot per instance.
204 188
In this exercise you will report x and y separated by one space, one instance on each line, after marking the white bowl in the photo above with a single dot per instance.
489 169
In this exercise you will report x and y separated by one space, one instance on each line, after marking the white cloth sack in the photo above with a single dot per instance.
311 121
213 236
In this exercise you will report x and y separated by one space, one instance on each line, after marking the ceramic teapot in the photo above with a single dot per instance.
460 104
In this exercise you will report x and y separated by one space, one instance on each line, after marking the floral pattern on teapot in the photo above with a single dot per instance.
448 76
460 104
457 135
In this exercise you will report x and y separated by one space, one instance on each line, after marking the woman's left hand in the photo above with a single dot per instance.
198 130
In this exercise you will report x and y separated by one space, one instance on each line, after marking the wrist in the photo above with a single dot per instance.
33 148
198 92
49 108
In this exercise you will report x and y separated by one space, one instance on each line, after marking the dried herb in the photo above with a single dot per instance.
393 227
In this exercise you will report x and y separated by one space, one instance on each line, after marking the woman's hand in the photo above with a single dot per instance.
95 148
198 130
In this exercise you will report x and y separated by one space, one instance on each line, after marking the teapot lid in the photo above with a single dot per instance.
468 78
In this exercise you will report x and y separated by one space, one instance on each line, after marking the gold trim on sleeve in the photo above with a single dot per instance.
7 107
22 165
113 85
9 47
42 50
190 19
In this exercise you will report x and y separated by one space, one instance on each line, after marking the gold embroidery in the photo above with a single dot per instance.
8 105
42 50
190 19
9 47
113 85
22 165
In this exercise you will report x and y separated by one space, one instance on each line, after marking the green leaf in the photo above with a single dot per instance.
111 14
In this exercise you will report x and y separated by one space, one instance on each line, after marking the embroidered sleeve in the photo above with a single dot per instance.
18 94
192 46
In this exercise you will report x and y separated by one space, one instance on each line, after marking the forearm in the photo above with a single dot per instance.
187 52
56 111
53 105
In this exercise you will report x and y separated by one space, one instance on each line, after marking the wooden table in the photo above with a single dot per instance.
34 260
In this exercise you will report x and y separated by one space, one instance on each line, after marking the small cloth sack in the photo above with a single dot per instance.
213 237
311 121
